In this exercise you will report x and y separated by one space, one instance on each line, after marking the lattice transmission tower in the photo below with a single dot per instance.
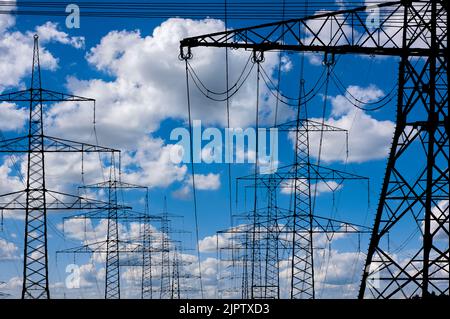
38 198
415 192
114 246
260 278
175 281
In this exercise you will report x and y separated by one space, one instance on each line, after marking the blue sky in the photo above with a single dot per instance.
131 68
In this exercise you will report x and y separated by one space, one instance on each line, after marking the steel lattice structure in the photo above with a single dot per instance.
114 245
174 281
416 31
165 289
300 222
144 243
175 286
38 199
141 251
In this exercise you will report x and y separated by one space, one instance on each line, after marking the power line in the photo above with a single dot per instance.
231 10
194 193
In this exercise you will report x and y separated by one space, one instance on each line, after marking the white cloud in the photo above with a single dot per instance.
202 182
7 20
440 216
131 107
14 283
90 275
84 230
49 32
8 250
333 32
336 271
12 118
327 33
145 69
207 182
183 192
16 49
210 244
151 164
8 181
321 187
368 138
132 275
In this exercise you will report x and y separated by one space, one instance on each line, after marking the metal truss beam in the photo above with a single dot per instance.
338 32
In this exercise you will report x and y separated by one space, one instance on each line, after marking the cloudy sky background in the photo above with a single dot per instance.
131 68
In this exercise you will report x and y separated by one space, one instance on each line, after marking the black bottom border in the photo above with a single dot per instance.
232 309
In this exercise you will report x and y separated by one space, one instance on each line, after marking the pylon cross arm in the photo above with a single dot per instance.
42 95
328 32
51 145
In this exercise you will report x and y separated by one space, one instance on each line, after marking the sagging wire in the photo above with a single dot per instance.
257 59
385 100
228 87
194 194
328 65
85 192
233 90
275 87
308 96
230 200
276 230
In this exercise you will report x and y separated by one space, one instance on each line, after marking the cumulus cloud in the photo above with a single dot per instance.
84 230
144 69
336 270
90 275
368 138
211 243
49 32
8 181
131 107
202 182
439 221
207 182
16 49
12 118
7 20
151 164
8 250
14 283
318 188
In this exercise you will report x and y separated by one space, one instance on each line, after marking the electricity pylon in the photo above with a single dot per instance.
415 191
175 288
38 199
115 245
300 177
